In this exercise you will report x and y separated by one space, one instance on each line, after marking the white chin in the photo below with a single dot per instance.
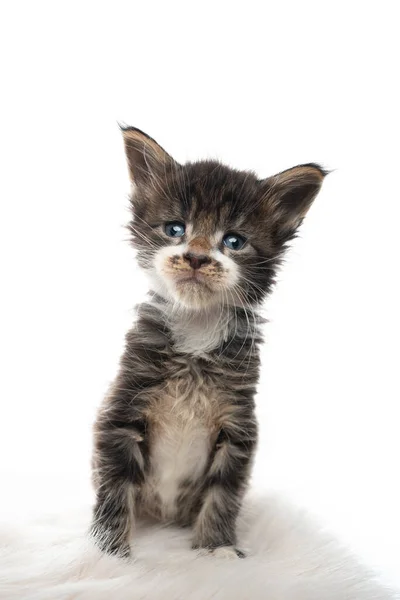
194 295
187 294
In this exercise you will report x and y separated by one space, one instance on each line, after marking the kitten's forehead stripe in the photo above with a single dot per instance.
214 187
200 245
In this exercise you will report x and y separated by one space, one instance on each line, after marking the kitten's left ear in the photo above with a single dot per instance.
290 194
145 157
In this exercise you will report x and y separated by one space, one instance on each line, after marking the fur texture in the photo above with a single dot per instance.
175 438
290 558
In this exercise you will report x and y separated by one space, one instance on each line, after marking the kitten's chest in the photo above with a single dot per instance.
183 424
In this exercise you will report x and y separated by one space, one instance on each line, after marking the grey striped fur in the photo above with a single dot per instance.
175 437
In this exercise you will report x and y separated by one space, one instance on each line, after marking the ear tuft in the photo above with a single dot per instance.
291 193
145 157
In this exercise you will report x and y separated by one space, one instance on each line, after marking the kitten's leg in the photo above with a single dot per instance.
225 483
119 466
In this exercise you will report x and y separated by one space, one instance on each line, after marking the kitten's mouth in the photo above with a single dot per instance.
193 291
192 287
195 278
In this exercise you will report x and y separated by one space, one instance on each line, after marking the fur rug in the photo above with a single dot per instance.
289 558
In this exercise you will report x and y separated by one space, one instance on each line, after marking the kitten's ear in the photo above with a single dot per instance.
145 157
290 194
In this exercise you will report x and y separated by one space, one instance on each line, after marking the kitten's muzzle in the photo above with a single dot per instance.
196 261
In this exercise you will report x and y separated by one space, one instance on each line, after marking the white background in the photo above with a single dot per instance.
259 85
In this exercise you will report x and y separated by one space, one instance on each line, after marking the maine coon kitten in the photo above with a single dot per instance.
175 437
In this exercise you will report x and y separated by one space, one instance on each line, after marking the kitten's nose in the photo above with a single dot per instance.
196 260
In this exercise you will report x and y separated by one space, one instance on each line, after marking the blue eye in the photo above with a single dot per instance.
234 241
174 229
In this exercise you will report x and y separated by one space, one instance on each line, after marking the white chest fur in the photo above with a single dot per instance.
197 332
182 430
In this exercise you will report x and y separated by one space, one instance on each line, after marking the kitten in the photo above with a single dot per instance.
175 437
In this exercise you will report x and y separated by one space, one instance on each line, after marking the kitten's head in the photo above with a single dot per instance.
208 234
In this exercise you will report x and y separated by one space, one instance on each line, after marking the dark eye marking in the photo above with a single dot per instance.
174 229
233 241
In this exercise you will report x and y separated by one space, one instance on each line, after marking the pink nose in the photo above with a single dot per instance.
196 260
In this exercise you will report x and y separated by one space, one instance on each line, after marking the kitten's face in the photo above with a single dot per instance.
194 267
207 234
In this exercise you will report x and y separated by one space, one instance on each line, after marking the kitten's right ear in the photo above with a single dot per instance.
145 157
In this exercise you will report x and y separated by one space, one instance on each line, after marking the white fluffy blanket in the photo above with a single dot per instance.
289 558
